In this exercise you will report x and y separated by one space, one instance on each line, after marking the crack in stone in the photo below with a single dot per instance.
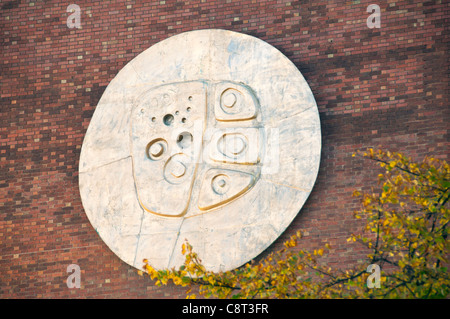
103 165
138 236
175 243
295 114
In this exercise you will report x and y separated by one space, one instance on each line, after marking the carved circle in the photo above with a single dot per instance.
176 168
220 184
156 148
230 101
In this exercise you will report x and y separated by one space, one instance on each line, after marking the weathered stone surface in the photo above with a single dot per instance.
211 136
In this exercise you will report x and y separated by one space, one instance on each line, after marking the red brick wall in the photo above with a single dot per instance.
386 86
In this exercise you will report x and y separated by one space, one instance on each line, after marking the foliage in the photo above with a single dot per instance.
406 231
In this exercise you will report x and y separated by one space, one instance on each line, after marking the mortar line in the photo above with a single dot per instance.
50 250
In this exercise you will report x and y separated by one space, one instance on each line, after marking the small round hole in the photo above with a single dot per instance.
168 119
188 109
183 120
153 119
190 98
176 113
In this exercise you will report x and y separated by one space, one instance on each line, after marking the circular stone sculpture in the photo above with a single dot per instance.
211 136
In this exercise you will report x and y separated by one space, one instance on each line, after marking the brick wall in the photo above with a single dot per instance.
386 86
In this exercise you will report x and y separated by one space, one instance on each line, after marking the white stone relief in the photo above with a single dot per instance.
218 144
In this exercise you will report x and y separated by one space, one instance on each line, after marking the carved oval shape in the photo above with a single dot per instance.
232 145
